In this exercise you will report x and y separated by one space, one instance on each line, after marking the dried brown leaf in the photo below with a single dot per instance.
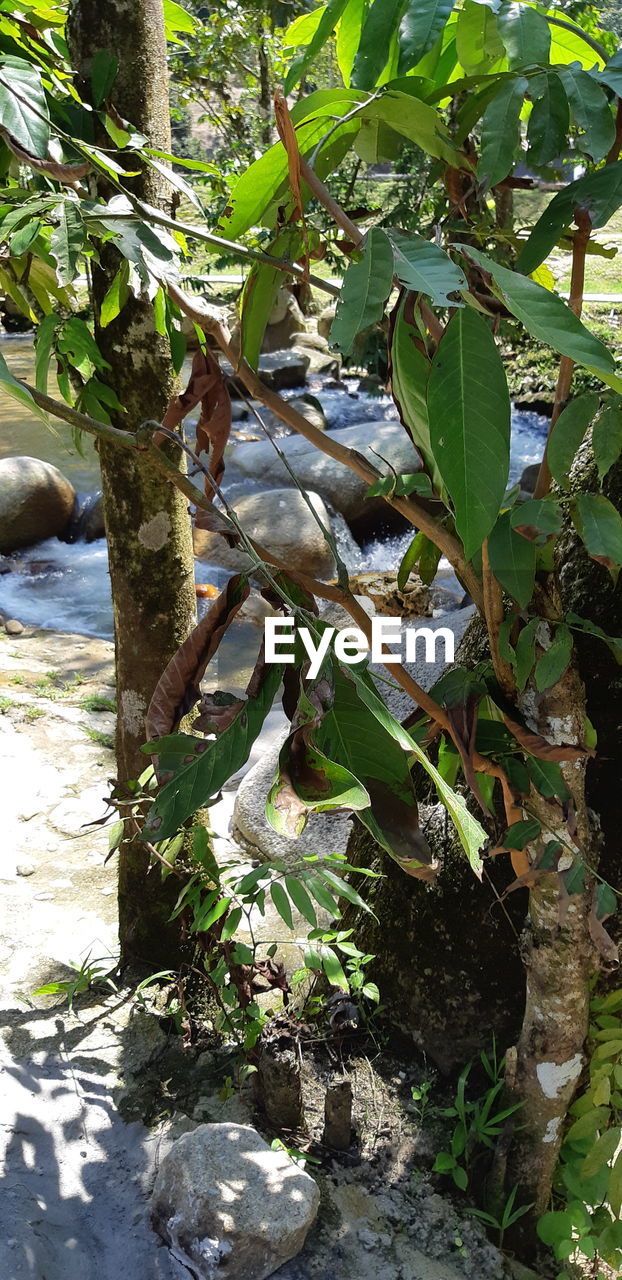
538 746
207 387
178 689
67 174
287 134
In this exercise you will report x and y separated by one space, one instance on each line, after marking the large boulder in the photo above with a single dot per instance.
281 521
279 370
334 482
308 405
286 321
36 502
230 1207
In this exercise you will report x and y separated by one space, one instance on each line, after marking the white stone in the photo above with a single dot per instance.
229 1207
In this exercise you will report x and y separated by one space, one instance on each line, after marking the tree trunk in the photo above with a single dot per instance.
147 521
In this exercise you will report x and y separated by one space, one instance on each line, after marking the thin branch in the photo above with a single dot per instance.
578 31
566 365
417 515
494 614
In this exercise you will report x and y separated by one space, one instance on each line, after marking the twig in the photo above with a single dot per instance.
494 614
566 365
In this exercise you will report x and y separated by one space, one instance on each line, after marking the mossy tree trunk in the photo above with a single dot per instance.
147 521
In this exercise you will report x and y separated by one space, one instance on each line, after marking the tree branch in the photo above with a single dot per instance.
494 614
566 365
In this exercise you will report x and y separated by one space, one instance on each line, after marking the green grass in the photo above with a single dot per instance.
602 275
6 704
34 713
96 702
102 739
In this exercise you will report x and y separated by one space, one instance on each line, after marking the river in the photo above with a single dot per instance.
65 586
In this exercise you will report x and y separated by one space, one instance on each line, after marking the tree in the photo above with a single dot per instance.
520 75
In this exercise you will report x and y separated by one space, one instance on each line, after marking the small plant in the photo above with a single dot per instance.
506 1218
6 704
97 702
420 1094
102 739
478 1123
586 1219
34 713
89 973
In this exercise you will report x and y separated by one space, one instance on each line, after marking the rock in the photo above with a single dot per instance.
13 627
307 405
325 320
25 869
229 1207
325 362
279 370
93 526
286 320
36 502
279 519
415 601
306 339
311 409
529 477
334 482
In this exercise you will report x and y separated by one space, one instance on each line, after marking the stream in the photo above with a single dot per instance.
65 586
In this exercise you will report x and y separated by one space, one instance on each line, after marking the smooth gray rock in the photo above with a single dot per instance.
279 370
281 521
229 1207
334 482
36 502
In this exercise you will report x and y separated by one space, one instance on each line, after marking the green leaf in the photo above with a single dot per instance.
260 291
421 25
176 18
45 337
555 1228
345 890
378 27
410 371
22 239
349 30
548 319
301 31
418 121
281 903
525 652
599 194
549 120
211 762
104 68
421 266
590 111
591 629
333 970
469 413
600 526
551 666
301 899
567 435
423 553
607 438
18 392
116 296
414 482
602 1152
67 241
328 21
319 891
478 41
525 34
611 73
520 834
500 132
538 520
512 560
366 287
23 105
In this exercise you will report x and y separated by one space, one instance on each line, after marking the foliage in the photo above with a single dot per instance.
478 1124
588 1194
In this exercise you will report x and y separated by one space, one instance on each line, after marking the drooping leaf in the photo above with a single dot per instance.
116 295
260 291
547 318
598 193
600 526
512 560
409 371
45 337
478 41
611 73
607 438
500 131
522 833
406 114
421 266
176 18
549 120
328 21
67 241
551 666
23 106
207 387
366 287
177 690
421 25
469 416
525 34
15 389
591 112
425 555
567 435
281 903
301 899
614 643
371 56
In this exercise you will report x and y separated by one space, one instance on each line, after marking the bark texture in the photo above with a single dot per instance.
147 521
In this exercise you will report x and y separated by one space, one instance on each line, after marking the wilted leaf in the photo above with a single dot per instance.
178 689
536 745
206 386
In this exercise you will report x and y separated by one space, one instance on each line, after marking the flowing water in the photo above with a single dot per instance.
65 586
